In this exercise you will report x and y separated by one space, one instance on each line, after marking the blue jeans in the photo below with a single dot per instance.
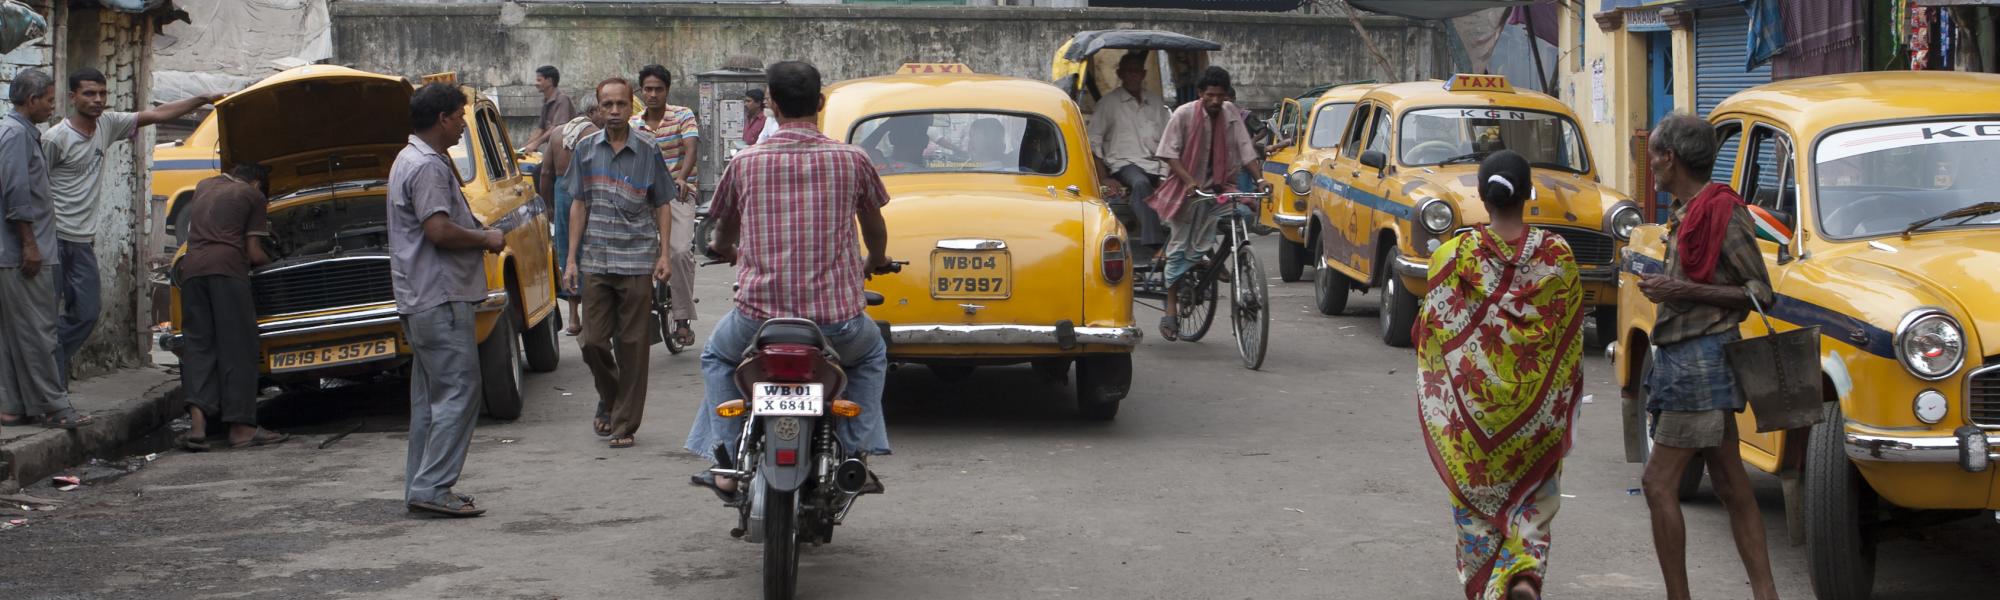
865 357
82 300
561 221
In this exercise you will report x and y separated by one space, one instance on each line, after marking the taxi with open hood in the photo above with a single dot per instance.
1872 198
325 304
1403 181
1312 124
993 198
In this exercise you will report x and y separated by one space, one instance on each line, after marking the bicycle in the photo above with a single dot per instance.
1249 298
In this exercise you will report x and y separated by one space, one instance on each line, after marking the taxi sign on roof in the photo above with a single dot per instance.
934 69
1465 82
447 78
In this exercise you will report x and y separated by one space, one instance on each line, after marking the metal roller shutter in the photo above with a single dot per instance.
1721 51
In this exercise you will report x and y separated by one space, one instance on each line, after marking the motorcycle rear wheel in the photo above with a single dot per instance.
781 545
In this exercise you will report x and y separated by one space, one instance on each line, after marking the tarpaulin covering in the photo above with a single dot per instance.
1086 44
1822 37
1433 9
18 24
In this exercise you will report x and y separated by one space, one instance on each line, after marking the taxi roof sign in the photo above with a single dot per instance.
447 78
1466 82
934 69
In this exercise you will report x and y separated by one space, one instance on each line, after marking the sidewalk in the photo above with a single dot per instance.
128 404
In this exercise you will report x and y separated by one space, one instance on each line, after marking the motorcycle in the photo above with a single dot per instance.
796 487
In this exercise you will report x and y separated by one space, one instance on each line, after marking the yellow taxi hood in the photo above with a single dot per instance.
1950 269
1562 199
315 125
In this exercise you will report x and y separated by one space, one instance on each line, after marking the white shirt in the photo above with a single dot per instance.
770 126
1126 130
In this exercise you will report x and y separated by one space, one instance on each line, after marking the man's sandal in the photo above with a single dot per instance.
683 334
452 505
1170 329
71 421
623 442
263 437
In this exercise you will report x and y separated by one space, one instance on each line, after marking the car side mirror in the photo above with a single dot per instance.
1374 159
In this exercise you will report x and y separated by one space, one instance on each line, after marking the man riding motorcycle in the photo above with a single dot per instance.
785 212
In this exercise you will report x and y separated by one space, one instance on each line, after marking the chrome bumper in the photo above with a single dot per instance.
1407 267
1061 335
1970 447
1284 220
370 317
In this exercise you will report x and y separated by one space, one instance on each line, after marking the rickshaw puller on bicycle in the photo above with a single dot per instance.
1204 143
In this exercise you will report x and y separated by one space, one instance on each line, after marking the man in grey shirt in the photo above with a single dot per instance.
438 271
75 149
28 377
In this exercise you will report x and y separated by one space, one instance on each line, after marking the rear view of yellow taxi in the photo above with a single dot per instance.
1015 259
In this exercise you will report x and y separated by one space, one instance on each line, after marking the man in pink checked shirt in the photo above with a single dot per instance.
786 210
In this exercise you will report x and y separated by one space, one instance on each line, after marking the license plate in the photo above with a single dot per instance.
298 359
787 399
971 274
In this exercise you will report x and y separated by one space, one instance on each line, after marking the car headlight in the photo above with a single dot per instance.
1437 215
1300 181
1623 220
1930 344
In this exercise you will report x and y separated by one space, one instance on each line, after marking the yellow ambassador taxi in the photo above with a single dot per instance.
1878 226
994 200
325 305
1402 182
1313 123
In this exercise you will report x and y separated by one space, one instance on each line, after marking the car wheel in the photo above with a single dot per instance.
500 372
1330 288
1840 544
1101 384
1291 260
542 343
1399 309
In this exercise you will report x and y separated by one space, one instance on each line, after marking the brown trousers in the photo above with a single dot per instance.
617 339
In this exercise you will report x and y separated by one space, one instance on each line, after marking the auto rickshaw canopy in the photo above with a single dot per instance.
1073 64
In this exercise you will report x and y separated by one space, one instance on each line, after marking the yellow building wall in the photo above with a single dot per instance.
1609 125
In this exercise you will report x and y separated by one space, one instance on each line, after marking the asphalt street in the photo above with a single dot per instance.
1307 479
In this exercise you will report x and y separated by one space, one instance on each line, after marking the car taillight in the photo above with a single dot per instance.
787 457
1113 259
789 362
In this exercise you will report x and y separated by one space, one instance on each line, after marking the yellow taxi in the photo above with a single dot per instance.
1311 124
1016 259
325 306
1881 231
1402 182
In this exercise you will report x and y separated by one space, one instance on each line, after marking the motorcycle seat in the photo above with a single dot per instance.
788 333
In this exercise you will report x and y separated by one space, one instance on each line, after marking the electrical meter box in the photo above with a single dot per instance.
722 120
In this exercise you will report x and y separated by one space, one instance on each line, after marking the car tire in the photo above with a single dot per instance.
1101 384
500 368
1291 260
1399 309
1330 288
1840 545
543 344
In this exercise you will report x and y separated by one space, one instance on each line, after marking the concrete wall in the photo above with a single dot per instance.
497 46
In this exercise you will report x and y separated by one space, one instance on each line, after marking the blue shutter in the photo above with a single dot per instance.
1721 40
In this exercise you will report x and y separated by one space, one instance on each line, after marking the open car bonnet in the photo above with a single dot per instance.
316 125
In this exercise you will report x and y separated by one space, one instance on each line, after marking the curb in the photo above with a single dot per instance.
30 459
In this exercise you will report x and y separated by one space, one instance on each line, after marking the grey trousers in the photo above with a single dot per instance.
29 382
680 238
219 360
444 398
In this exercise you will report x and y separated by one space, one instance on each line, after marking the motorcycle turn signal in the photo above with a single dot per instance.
731 409
846 408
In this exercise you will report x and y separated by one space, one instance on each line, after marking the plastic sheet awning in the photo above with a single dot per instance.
1086 44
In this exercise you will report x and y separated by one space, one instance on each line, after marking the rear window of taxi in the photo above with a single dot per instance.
961 142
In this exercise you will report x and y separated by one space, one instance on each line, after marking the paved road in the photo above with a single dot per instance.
1305 480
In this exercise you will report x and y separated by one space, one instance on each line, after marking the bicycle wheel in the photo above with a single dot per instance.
1197 306
663 302
1250 308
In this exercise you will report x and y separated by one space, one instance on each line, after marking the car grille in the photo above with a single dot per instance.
323 285
1983 395
1590 247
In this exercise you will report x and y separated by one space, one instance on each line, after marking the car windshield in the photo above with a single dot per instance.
961 142
1887 179
1466 135
1329 124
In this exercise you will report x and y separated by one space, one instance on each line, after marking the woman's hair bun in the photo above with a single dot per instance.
1504 179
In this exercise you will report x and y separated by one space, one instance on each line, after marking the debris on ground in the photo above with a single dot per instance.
65 480
1296 510
14 523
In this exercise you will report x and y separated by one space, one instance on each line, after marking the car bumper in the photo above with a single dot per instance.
315 325
1971 448
1294 221
1063 335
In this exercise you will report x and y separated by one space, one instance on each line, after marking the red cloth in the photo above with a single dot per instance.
797 195
1701 230
1212 144
752 129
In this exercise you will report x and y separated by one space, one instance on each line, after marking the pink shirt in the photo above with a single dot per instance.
797 195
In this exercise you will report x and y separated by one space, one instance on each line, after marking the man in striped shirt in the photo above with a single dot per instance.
620 191
674 131
794 202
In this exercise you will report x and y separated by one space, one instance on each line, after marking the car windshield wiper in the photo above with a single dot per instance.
1967 213
1466 158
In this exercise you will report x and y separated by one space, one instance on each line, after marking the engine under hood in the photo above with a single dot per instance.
316 125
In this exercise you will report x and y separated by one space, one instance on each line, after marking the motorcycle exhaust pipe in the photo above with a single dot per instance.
850 476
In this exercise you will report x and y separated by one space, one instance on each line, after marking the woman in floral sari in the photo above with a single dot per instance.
1498 345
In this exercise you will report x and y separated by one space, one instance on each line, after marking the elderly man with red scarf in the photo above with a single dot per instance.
1713 273
1205 144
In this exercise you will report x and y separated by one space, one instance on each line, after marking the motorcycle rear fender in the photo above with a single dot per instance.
785 479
